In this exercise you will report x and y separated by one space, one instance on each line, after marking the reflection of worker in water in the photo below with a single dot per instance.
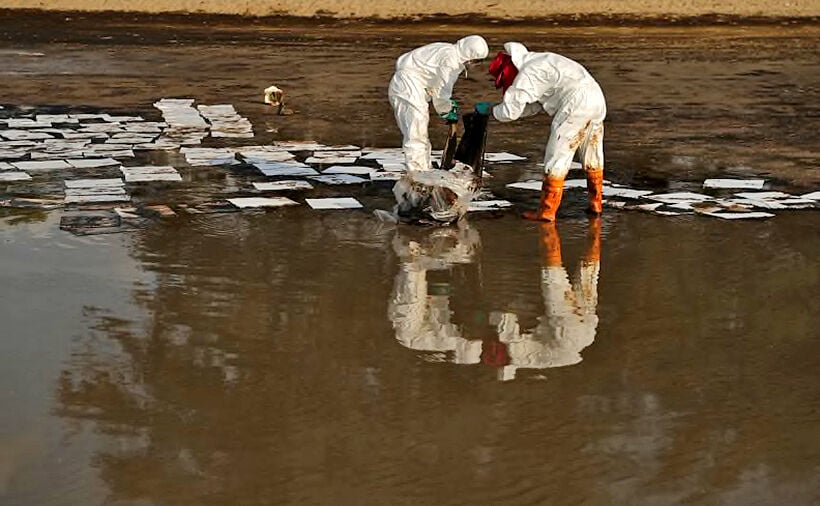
569 321
422 317
423 75
420 312
534 82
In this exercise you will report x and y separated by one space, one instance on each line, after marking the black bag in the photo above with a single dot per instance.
470 149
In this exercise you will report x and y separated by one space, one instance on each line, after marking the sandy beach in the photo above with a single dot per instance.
511 9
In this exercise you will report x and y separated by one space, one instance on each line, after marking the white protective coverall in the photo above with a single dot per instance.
422 320
566 91
423 75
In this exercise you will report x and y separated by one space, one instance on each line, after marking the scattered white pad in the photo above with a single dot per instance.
285 169
26 123
120 119
131 139
761 203
570 184
488 205
336 153
763 195
23 135
385 176
93 199
502 157
329 160
209 156
56 155
14 176
300 146
85 116
283 185
150 173
646 207
681 206
56 118
338 179
125 153
108 128
43 165
750 184
92 163
532 184
94 183
85 135
342 147
159 145
798 203
225 122
677 197
334 203
775 204
246 202
351 169
626 193
12 154
811 196
110 190
376 153
253 157
726 215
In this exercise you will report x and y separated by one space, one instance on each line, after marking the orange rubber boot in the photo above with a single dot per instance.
551 191
595 188
550 245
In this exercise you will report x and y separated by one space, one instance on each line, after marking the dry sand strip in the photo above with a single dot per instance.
395 9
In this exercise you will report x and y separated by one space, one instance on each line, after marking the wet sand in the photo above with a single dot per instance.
258 358
407 9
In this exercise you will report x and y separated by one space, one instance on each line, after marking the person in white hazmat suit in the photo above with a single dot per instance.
421 319
565 90
423 75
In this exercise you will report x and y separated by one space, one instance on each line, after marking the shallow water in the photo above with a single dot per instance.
297 357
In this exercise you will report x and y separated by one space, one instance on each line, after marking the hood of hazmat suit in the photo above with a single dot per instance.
472 47
517 52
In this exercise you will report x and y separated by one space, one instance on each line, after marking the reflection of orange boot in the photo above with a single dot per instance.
593 253
551 191
595 188
550 245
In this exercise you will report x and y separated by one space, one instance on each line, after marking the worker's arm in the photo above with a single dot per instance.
521 99
442 90
532 109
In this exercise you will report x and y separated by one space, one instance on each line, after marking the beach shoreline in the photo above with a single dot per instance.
671 11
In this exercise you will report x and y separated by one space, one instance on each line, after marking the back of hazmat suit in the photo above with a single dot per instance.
428 74
566 91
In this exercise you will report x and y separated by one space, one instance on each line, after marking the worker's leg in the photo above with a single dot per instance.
567 134
592 157
413 124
